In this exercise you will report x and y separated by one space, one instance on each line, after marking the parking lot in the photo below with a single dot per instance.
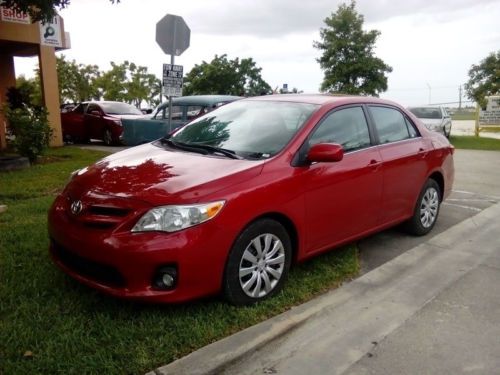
475 189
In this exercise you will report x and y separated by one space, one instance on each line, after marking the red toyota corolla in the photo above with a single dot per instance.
230 201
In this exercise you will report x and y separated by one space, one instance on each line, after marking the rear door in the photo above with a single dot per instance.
404 155
342 198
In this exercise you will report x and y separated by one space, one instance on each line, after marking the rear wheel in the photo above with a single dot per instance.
426 210
258 263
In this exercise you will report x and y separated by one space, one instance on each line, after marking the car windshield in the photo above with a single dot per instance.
120 109
427 112
250 129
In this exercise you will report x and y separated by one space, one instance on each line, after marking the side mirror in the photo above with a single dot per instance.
95 113
325 152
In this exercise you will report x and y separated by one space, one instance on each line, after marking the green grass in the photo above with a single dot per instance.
458 116
475 143
72 329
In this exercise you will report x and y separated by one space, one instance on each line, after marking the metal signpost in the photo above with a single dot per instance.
172 35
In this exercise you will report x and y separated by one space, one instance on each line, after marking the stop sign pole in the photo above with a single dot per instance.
173 36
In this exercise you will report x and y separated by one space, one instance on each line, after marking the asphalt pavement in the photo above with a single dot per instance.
426 305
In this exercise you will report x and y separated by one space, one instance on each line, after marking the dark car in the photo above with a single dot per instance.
97 120
184 109
228 202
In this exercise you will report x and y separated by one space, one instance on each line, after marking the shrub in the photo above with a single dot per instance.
28 124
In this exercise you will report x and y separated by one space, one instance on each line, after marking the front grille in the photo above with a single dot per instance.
108 211
102 273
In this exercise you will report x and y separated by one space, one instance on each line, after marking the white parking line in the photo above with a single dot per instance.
479 194
462 206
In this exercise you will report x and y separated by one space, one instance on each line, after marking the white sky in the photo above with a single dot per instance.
427 42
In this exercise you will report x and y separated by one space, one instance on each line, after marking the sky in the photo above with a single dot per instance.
430 44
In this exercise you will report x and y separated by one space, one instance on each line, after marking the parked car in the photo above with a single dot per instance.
97 120
434 118
184 109
228 202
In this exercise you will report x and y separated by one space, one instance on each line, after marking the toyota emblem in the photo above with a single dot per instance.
76 207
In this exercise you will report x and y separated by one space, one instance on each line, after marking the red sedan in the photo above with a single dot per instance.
230 201
97 120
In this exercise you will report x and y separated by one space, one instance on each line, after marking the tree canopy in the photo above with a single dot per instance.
348 59
39 10
484 78
226 77
125 82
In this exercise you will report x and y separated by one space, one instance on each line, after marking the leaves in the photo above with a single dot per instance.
484 79
226 77
348 61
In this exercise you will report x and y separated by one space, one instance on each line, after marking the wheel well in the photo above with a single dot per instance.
438 177
289 227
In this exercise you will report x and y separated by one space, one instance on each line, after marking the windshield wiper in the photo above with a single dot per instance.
202 149
229 153
183 146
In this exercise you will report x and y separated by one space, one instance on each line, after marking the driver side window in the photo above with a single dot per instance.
347 127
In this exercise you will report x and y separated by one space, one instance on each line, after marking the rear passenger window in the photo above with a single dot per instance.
390 124
347 127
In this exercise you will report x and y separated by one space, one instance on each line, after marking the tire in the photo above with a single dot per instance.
107 137
426 210
258 263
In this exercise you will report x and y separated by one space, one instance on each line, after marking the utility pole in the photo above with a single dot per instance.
429 86
459 97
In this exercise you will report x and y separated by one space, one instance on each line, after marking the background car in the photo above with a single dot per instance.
184 109
97 120
229 201
434 118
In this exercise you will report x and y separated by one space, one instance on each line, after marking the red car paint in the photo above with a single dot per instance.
323 205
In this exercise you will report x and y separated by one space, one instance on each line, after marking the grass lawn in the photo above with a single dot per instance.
52 324
458 116
475 143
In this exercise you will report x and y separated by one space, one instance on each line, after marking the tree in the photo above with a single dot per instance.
484 79
226 77
39 10
77 82
128 82
348 61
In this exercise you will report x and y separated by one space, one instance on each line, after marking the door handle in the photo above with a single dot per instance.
374 164
422 152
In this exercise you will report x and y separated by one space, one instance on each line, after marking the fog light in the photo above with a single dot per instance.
165 278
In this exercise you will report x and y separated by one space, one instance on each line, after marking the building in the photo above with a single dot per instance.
20 37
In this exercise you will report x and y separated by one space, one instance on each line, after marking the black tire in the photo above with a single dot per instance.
267 274
426 210
107 137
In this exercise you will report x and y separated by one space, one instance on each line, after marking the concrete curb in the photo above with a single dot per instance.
441 261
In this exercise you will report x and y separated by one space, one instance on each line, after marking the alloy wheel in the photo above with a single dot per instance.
261 266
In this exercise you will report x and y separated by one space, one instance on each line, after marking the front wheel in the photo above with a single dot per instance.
107 137
258 263
426 210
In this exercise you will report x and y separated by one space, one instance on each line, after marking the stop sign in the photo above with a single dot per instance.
172 35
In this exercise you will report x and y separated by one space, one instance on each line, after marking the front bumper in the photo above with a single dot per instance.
123 264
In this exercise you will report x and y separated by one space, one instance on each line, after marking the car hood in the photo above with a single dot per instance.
160 175
128 117
432 121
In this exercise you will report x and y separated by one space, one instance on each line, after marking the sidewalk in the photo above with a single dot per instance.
434 309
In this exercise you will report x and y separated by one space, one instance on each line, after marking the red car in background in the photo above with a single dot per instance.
229 201
97 120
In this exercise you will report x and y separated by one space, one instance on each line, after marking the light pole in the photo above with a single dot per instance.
429 87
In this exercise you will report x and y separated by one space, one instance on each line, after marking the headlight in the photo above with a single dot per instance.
174 218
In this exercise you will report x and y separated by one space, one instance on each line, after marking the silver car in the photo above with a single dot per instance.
434 118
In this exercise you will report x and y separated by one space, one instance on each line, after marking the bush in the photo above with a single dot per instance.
28 124
30 130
